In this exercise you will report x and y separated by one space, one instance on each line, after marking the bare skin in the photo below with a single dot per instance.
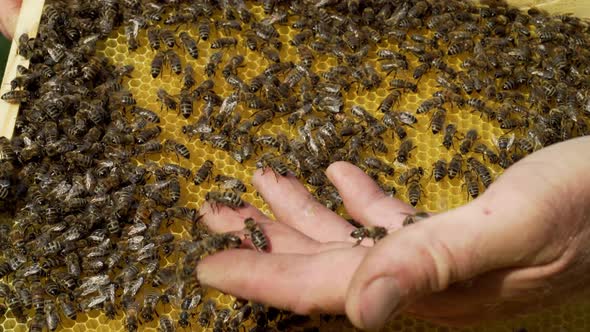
523 245
8 16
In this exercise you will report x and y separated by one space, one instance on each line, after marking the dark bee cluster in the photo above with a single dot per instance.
92 211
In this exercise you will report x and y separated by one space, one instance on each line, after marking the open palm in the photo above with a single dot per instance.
519 246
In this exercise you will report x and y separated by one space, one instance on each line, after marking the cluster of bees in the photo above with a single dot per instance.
91 216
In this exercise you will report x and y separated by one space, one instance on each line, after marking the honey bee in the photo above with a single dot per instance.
148 309
481 170
206 314
468 141
230 183
375 233
376 164
51 315
256 235
177 148
131 320
390 100
414 172
6 150
414 190
168 37
439 169
230 199
438 120
401 84
16 96
189 44
173 169
182 213
166 99
471 183
305 55
186 103
213 63
271 54
157 64
153 36
174 61
225 42
450 133
242 315
486 152
403 153
166 325
525 144
146 114
514 123
276 165
455 166
218 141
221 319
203 173
25 46
429 104
232 65
412 218
145 135
67 308
16 307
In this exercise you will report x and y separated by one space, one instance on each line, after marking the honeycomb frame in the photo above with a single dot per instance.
441 196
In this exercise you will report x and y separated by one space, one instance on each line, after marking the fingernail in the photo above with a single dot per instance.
379 301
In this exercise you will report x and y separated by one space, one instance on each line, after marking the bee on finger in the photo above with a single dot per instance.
376 164
230 199
256 235
276 165
375 233
230 183
412 218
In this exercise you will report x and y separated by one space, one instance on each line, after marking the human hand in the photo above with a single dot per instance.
9 16
524 244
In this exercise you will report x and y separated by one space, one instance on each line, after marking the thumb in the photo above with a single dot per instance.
429 256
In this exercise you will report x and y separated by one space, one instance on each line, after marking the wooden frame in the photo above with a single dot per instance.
28 22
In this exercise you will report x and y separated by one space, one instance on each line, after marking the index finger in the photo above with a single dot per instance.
364 200
303 284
